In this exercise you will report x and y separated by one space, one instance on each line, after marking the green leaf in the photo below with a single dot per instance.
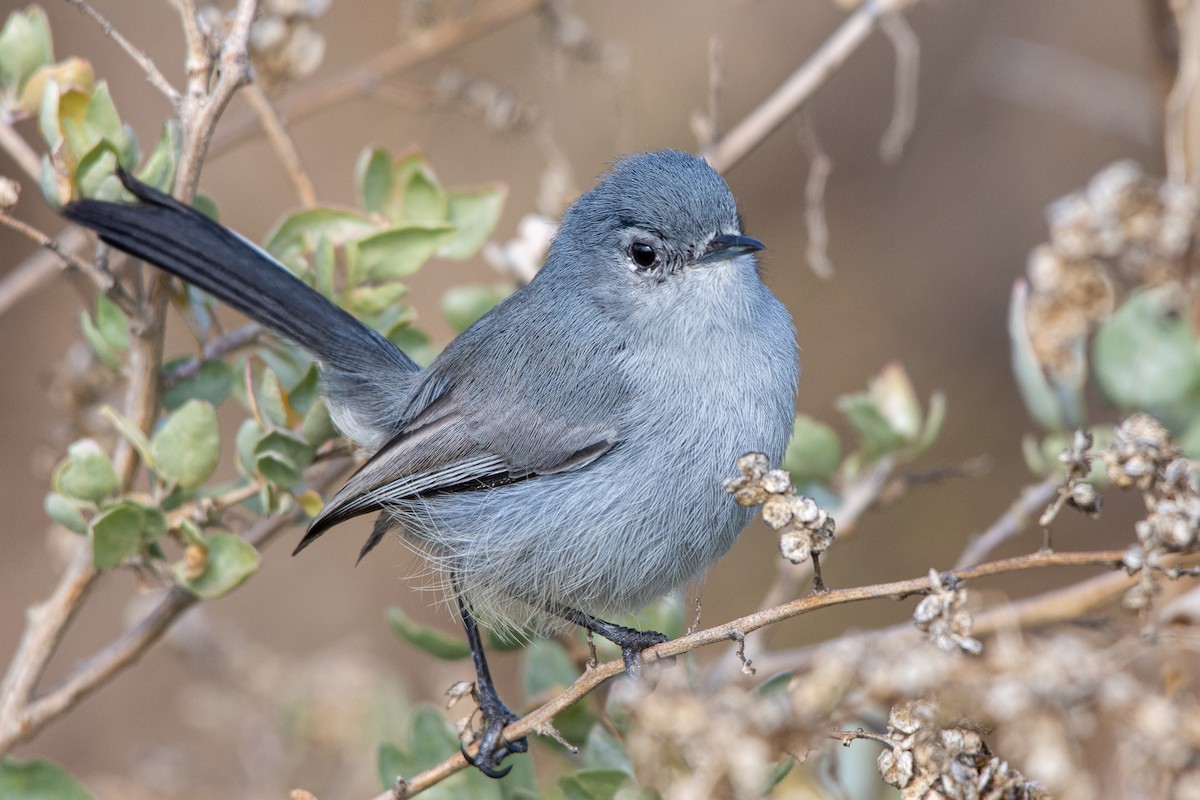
213 382
400 251
101 117
248 436
87 473
55 187
306 391
281 456
25 46
474 215
421 199
122 530
463 305
187 446
869 423
547 668
299 232
38 780
593 784
100 346
393 763
367 301
48 123
317 426
95 169
602 750
1144 355
67 511
268 396
206 206
130 432
231 559
324 261
159 169
111 322
373 179
814 452
430 640
431 737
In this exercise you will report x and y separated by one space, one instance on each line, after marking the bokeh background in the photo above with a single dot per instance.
1020 102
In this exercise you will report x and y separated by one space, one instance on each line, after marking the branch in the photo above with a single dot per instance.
156 78
541 718
359 80
12 291
281 142
22 716
802 84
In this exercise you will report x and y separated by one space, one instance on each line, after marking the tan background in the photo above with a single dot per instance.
1021 101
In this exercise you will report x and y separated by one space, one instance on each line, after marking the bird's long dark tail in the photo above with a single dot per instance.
184 242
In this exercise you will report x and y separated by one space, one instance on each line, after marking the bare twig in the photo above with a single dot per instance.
156 78
16 146
587 682
1032 500
819 167
802 84
103 279
358 80
212 350
904 105
281 142
1182 124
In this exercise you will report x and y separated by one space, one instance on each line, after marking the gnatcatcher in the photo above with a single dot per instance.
561 461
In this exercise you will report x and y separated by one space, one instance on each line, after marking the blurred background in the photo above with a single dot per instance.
1020 102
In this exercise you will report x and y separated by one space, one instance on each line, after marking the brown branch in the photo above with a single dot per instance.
103 279
216 348
904 107
359 79
156 78
281 142
801 85
592 678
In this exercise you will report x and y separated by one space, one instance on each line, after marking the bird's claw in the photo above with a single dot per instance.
632 647
493 748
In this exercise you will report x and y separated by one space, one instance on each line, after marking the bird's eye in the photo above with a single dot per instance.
643 254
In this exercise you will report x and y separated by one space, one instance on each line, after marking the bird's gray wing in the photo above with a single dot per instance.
449 447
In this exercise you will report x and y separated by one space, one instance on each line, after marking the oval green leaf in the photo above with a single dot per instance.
187 446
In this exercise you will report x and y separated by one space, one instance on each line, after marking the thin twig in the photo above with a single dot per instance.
587 682
281 142
217 348
1181 112
819 167
904 105
357 80
15 145
156 78
103 280
801 85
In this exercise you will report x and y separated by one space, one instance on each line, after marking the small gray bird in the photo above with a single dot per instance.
561 461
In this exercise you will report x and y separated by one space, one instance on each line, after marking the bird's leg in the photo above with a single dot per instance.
631 641
493 748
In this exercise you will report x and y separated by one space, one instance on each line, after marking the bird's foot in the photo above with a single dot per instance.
493 748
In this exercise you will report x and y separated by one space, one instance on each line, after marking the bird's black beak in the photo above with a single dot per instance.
727 246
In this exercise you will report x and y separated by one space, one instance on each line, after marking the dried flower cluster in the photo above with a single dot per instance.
929 761
805 529
1074 714
943 617
1142 457
284 46
1125 224
499 108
